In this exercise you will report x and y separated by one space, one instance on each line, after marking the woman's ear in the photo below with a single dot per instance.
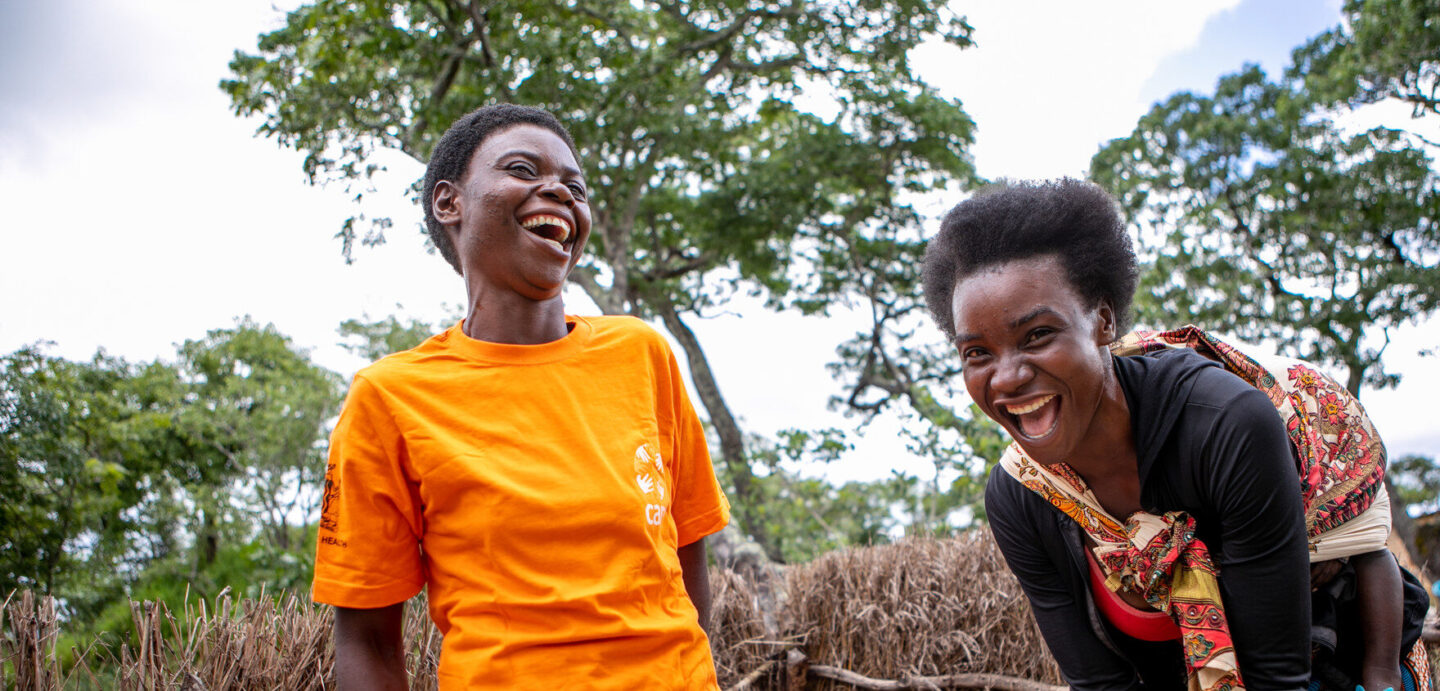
445 203
1109 327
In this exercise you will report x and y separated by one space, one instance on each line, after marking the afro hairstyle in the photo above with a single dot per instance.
451 158
1073 220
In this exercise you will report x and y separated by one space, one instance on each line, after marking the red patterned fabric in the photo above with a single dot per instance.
1341 457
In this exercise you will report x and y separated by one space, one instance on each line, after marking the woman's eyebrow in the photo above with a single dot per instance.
1032 315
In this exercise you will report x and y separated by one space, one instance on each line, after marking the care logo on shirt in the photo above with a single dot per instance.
329 501
650 477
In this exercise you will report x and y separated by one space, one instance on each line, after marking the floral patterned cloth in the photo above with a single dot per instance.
1341 464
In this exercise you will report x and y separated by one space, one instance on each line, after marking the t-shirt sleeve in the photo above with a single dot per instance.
368 548
700 507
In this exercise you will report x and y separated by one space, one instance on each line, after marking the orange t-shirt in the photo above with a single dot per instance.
540 492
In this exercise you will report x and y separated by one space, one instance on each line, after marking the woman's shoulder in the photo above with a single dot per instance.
1184 374
1009 500
625 332
402 366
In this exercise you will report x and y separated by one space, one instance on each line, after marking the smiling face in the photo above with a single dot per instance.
519 218
1034 355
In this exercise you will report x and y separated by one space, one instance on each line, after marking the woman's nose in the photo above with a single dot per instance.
1012 373
557 191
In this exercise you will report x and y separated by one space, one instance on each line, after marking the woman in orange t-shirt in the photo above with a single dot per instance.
544 476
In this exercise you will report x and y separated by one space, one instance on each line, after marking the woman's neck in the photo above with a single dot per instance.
505 317
1106 458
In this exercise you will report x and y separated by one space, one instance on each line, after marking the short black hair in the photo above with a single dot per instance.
1073 220
451 157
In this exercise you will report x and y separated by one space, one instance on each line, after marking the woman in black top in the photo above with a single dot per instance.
1034 284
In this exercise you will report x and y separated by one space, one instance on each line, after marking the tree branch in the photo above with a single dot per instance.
948 681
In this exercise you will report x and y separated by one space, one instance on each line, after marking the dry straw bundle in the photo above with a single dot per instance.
921 607
738 634
262 643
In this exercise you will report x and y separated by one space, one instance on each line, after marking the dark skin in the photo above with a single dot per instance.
369 650
1027 340
518 220
1380 590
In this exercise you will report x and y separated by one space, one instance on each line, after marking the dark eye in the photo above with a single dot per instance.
522 168
577 189
971 353
1039 334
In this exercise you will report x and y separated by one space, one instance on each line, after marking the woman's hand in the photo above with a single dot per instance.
1322 572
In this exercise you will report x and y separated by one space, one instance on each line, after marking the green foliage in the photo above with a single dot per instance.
680 110
1382 49
261 411
1416 480
1258 214
121 480
804 517
87 452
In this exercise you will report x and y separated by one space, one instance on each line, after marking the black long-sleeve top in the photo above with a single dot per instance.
1209 444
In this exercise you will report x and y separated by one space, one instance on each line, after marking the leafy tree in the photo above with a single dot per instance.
155 480
87 451
1258 215
691 128
259 406
1382 49
373 340
1417 479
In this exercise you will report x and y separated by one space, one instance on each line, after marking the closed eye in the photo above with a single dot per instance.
577 189
522 168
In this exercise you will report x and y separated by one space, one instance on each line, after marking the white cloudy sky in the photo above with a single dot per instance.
136 211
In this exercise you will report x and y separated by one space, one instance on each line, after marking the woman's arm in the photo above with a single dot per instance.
1247 469
1381 601
369 651
1036 555
696 574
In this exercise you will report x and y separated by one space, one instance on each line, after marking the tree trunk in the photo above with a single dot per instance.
732 441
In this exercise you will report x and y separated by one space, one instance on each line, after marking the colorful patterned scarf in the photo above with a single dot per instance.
1341 464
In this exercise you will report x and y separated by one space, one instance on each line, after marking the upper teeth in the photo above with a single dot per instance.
1023 409
536 221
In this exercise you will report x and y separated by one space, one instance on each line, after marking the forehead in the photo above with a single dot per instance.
993 296
526 138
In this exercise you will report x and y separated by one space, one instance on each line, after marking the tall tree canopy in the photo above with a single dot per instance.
1382 49
1258 211
697 127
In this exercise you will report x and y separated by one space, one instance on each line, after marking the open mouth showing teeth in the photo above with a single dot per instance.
551 229
1037 419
